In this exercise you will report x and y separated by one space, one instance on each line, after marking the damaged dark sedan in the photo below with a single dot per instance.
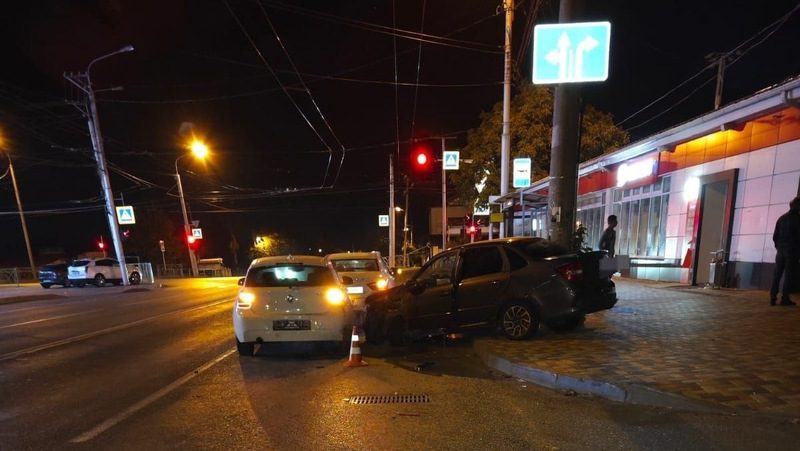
512 284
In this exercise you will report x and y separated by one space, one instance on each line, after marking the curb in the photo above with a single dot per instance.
623 393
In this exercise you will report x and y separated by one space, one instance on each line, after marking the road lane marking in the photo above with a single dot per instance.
49 319
122 416
19 309
65 341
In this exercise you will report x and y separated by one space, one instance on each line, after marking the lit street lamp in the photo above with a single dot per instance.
200 151
19 207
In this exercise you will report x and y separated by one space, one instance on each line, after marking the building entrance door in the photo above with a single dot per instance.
715 209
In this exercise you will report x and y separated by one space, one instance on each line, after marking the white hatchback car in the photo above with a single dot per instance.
367 270
290 299
100 271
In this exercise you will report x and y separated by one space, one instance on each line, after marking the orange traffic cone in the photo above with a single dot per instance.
355 351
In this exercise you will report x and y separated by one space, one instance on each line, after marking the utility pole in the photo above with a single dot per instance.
564 151
505 141
392 233
21 215
720 59
84 83
405 226
444 194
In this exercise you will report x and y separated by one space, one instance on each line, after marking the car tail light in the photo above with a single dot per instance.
335 296
245 300
571 272
379 285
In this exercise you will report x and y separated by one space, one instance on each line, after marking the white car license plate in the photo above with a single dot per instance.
291 324
355 290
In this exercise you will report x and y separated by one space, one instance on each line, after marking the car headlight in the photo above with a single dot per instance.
245 300
335 296
381 284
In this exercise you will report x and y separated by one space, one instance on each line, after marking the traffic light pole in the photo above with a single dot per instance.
392 232
187 231
444 200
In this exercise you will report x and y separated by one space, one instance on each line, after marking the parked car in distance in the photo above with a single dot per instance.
100 272
514 284
368 271
291 299
53 274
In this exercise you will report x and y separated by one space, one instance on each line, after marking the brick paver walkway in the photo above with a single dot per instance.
727 348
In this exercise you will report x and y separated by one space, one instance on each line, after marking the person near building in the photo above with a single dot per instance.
787 243
608 240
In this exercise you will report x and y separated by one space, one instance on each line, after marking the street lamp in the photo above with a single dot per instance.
19 206
200 151
84 83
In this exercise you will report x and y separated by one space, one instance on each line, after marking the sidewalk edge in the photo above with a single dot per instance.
623 393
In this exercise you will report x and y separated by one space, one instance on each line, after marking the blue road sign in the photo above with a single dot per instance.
125 215
451 158
383 220
571 52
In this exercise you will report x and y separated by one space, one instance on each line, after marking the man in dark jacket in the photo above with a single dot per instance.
787 243
609 239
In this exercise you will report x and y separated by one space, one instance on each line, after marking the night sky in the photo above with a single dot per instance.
271 172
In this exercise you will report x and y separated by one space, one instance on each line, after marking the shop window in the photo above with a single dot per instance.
642 217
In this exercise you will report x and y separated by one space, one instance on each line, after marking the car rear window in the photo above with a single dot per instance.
292 275
79 263
540 248
355 265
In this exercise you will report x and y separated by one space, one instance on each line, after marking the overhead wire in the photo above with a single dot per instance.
419 64
313 101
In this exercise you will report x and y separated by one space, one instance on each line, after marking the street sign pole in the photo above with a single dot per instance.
564 152
163 257
505 138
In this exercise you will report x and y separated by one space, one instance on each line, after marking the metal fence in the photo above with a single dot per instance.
16 276
175 271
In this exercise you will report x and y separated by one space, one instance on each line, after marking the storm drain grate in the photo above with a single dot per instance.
389 399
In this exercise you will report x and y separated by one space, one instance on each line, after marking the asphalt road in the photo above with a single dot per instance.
109 369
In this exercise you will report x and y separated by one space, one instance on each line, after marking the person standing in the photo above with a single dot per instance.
787 242
608 240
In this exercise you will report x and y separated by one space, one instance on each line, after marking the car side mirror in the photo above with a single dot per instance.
414 287
240 282
347 280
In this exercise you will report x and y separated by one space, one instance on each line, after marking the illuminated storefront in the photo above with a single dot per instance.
717 182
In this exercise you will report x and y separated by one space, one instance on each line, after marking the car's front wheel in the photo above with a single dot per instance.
245 348
135 278
99 280
518 320
46 285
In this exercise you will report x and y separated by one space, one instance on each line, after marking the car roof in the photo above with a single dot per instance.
352 255
302 259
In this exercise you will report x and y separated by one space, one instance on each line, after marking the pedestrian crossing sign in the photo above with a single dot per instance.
125 215
450 160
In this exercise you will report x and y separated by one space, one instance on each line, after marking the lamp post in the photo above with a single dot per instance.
19 207
84 83
200 151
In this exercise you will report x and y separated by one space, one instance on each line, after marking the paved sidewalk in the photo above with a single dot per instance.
721 348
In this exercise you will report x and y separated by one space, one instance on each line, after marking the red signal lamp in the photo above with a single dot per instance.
421 159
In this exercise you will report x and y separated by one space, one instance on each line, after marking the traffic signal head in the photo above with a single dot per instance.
192 242
101 245
421 159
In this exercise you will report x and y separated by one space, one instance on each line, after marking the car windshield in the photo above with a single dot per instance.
79 263
356 265
291 275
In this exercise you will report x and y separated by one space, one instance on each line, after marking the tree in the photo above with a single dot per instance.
531 132
268 244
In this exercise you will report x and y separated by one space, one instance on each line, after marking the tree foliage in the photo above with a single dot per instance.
531 132
269 244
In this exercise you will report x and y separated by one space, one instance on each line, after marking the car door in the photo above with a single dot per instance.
429 305
482 283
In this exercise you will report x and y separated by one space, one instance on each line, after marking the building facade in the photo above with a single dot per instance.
712 187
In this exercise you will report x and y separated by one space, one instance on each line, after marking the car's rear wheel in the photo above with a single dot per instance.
46 285
518 320
99 280
245 348
80 284
135 278
66 284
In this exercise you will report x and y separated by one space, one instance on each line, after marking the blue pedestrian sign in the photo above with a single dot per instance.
571 52
522 173
383 220
125 215
450 160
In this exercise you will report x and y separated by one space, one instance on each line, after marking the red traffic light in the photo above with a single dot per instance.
472 229
101 245
421 159
192 242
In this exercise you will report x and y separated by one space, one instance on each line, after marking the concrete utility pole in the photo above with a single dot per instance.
505 141
392 232
720 59
84 83
564 152
405 226
21 215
